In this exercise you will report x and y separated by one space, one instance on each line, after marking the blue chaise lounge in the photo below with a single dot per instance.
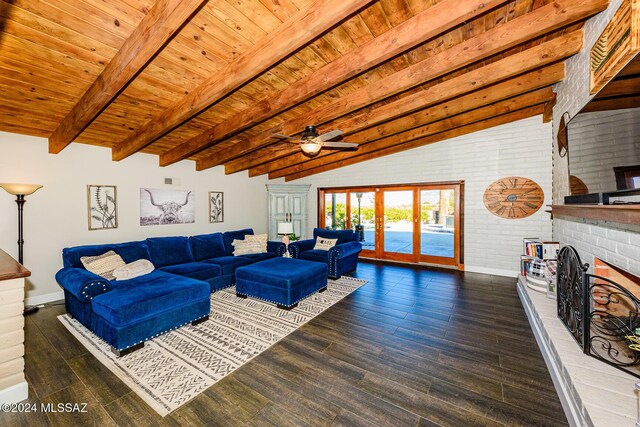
126 313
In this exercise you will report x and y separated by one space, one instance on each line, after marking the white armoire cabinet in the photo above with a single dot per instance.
288 203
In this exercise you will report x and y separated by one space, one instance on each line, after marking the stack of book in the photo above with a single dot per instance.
538 257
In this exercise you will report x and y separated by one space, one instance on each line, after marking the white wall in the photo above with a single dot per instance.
491 244
601 141
56 215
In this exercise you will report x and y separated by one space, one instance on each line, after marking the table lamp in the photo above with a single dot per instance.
286 229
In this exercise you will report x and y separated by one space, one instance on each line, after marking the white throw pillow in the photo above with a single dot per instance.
133 269
103 265
324 244
259 238
246 247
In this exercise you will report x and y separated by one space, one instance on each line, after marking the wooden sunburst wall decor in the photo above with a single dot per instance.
513 197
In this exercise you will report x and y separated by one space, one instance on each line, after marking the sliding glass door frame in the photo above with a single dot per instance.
379 225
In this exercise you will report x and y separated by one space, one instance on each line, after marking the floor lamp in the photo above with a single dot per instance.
20 191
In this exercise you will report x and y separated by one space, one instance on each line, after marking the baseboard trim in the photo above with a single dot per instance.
487 270
43 299
15 393
570 409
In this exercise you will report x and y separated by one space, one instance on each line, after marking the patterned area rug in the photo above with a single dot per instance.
174 368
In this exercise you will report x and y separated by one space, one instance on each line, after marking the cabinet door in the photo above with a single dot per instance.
297 204
279 207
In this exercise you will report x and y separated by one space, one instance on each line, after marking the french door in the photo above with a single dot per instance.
410 223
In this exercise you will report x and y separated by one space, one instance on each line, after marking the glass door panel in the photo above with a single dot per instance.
363 218
397 225
437 223
335 211
407 223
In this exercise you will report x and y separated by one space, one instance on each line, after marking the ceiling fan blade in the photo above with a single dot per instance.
329 135
280 135
336 144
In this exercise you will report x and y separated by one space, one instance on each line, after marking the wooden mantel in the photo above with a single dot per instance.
623 214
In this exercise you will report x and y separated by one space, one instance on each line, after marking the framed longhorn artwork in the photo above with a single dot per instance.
161 207
513 197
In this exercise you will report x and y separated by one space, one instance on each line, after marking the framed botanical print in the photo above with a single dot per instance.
216 206
102 207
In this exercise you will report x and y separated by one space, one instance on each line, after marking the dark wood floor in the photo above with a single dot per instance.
413 347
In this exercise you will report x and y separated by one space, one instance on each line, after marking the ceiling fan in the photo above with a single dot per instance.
311 143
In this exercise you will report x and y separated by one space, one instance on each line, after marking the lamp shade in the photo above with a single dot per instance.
20 189
285 228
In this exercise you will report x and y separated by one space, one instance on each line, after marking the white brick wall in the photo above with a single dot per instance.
616 246
619 246
603 140
492 244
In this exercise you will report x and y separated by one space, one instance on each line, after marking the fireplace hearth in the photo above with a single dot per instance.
601 311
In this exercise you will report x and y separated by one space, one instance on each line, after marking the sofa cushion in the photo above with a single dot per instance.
169 250
207 246
343 236
259 257
103 265
194 270
229 263
230 236
315 255
147 296
129 251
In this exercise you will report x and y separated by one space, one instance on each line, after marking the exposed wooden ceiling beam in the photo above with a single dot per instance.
458 103
508 89
422 27
475 127
303 27
156 28
612 104
547 117
540 21
511 66
530 99
622 87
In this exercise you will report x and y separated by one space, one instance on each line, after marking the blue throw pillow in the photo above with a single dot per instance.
207 246
169 250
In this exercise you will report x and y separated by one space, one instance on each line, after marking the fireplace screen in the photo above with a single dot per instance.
601 314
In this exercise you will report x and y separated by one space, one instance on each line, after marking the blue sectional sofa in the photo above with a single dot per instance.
340 259
126 313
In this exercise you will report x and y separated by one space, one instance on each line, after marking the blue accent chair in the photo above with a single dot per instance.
340 259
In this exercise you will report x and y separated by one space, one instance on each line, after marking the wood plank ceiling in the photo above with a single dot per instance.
211 80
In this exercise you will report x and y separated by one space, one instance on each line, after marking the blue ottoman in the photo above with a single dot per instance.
283 281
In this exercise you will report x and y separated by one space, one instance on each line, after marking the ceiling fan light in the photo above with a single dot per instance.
310 147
